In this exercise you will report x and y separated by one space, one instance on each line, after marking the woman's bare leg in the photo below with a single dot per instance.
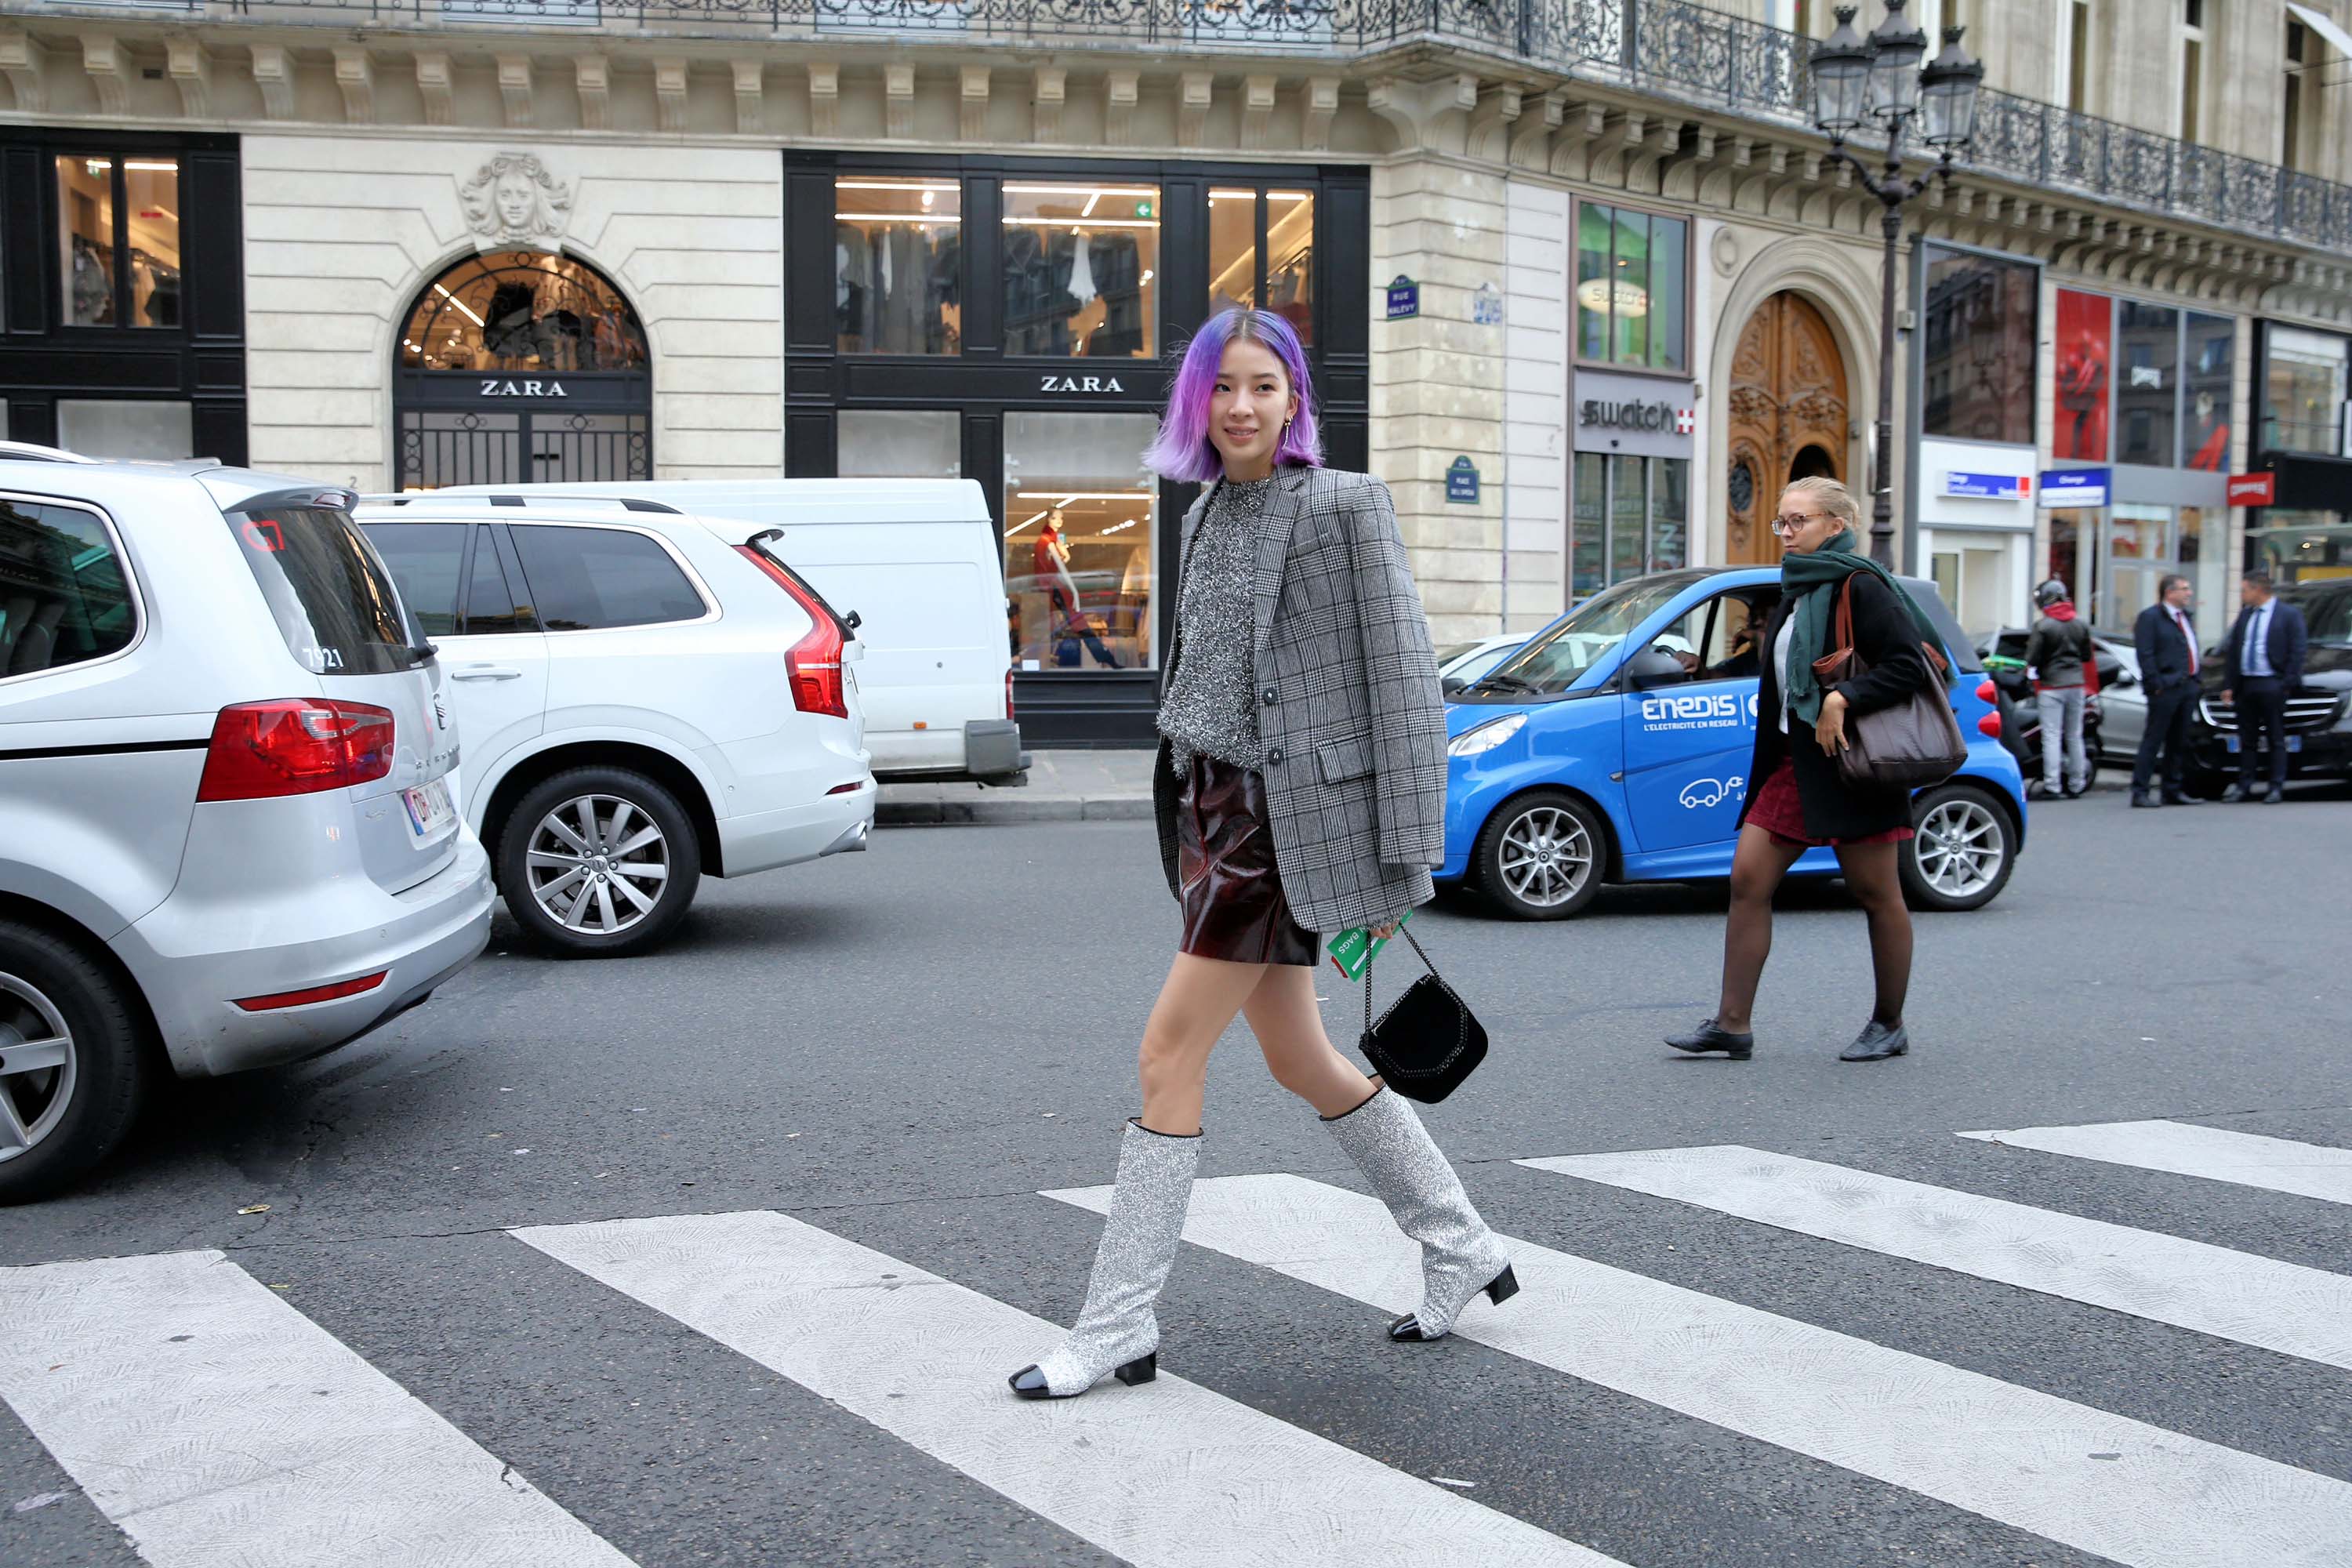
1197 1000
1289 1030
1756 868
1872 876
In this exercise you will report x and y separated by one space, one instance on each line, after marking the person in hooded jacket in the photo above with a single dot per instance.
2064 668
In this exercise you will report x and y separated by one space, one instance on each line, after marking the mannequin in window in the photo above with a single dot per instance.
508 322
1052 567
92 285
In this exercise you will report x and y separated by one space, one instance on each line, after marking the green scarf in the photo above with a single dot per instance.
1813 581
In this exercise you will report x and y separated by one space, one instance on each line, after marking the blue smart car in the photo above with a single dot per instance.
1611 747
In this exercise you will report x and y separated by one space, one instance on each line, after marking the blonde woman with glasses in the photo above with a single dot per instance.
1796 798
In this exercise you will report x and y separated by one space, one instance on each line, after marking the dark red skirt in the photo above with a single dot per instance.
1779 812
1228 885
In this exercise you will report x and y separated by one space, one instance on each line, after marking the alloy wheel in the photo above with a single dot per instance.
1545 857
37 1066
598 864
1961 848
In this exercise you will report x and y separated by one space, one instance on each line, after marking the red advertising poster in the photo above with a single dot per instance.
2085 329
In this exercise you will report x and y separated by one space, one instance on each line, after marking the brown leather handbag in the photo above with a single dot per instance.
1915 742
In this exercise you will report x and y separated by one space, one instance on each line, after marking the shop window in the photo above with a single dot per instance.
119 241
2209 355
1081 516
1284 282
1080 265
1978 354
897 253
2086 341
899 444
1631 516
2067 526
522 310
1630 284
2302 390
153 431
2147 366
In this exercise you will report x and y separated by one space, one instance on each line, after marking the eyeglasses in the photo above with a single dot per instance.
1789 525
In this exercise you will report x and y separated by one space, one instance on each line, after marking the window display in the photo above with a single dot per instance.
2303 391
895 444
1286 280
139 287
2148 363
2085 330
897 259
1081 514
1630 277
1631 516
1079 265
522 310
2211 351
1978 368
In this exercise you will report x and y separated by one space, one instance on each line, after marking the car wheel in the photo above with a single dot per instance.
71 1072
1962 854
598 863
1541 856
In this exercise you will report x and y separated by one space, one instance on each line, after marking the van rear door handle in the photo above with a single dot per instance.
486 672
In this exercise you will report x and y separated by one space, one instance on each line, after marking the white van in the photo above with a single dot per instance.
916 564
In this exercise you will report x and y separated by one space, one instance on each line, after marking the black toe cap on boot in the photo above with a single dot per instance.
1030 1384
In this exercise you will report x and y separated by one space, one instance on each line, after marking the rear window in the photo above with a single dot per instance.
63 597
332 599
585 579
1964 652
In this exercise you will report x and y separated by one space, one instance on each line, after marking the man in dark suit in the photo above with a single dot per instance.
2265 666
2166 640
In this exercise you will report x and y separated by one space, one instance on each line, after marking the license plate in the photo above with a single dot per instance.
429 809
2230 744
2294 742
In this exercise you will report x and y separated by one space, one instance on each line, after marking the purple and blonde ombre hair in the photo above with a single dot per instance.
1183 450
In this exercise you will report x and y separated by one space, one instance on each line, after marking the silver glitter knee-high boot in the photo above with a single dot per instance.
1117 1331
1459 1255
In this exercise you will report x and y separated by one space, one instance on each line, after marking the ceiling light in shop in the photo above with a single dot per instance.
896 186
1091 223
1118 528
1290 196
459 303
1082 190
1066 497
1601 293
1024 522
152 168
925 219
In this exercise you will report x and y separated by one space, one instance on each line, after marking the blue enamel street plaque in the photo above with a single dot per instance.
1404 298
1462 482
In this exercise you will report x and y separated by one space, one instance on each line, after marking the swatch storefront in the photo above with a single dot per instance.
1015 324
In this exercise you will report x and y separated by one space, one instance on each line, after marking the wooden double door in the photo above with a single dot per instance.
1788 419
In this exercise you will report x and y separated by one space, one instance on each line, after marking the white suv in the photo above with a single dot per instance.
645 701
227 832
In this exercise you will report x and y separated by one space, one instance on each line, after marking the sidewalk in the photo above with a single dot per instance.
1063 786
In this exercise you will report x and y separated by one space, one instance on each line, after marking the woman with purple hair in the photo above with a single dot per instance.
1300 788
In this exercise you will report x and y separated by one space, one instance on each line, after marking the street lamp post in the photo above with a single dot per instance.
1878 80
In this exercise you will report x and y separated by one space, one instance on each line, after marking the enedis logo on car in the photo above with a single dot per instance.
1699 710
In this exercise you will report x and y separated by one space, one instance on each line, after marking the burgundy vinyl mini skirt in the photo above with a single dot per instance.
1229 888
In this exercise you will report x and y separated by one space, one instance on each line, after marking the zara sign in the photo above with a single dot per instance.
495 386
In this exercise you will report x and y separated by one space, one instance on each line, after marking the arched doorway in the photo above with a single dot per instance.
521 365
1788 418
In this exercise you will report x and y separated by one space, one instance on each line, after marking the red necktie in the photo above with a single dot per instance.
2183 621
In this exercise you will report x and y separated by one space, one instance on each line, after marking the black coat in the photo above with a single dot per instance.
1889 640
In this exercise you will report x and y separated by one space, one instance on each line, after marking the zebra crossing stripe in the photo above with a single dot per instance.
2116 1488
1168 1473
217 1426
2184 1149
2280 1307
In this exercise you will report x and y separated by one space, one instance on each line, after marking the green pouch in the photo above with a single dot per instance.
1353 950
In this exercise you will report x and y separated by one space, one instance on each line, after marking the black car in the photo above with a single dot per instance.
2318 711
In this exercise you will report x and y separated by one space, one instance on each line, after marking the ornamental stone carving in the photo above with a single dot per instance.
512 201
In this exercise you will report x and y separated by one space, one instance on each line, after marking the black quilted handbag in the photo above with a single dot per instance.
1428 1041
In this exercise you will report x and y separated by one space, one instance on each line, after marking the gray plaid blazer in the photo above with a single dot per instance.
1351 723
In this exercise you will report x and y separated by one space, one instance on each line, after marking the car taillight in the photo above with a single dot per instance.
1987 691
295 746
1008 694
1989 725
814 663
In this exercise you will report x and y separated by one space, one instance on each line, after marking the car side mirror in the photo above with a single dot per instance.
2124 678
1654 668
1451 684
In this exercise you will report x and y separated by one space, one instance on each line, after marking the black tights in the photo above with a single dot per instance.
1756 868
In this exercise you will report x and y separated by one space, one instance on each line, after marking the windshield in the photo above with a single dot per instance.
2327 611
1558 657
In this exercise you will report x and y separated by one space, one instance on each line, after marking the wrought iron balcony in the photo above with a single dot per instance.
1665 48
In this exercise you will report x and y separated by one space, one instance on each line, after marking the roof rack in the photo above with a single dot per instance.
505 498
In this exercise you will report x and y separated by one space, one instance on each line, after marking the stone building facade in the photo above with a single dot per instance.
1582 284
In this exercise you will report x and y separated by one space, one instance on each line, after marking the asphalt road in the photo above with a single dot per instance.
905 1047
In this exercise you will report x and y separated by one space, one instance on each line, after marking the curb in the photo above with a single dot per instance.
994 811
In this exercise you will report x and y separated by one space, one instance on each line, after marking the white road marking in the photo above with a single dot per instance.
2149 1497
2282 1306
1167 1473
221 1428
2184 1149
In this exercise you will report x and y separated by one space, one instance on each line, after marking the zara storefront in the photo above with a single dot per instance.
1016 322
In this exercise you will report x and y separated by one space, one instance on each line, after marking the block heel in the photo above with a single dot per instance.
1142 1370
1504 1286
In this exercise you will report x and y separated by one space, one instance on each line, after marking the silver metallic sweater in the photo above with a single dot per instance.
1207 708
